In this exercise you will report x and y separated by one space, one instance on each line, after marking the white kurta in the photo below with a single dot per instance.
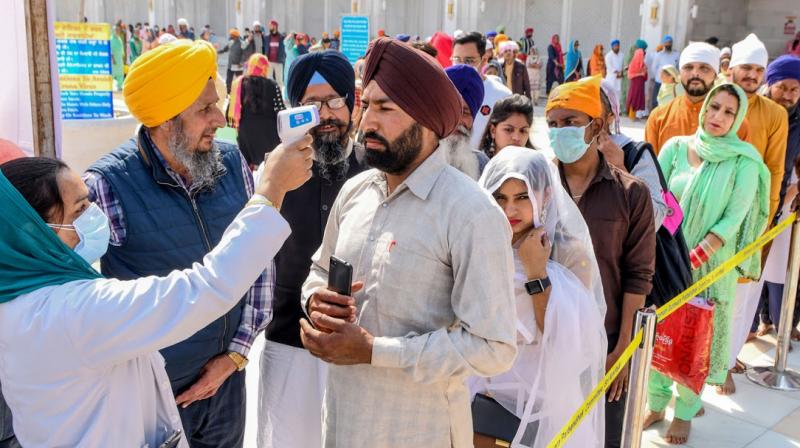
614 63
79 364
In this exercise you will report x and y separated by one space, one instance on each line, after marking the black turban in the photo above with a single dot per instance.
331 65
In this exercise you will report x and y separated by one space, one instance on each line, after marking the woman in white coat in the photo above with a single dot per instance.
561 342
79 361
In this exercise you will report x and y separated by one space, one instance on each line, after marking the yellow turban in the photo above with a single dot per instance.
582 95
165 81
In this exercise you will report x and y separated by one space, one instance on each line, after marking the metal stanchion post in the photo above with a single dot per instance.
636 401
778 376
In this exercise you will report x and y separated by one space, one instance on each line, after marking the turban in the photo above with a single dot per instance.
784 67
725 52
491 34
166 38
700 52
443 44
528 30
9 151
403 37
183 22
273 22
500 38
416 83
582 95
667 38
331 66
508 45
166 80
469 85
234 32
749 51
615 42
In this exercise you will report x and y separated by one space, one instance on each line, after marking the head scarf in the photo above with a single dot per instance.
443 44
557 47
597 63
576 304
573 57
725 53
165 39
582 95
31 254
469 85
403 37
416 83
496 65
637 66
641 44
331 65
257 65
165 81
749 51
700 52
784 67
381 32
722 157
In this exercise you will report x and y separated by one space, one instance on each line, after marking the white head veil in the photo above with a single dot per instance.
557 368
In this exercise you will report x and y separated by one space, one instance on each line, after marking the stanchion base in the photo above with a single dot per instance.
788 380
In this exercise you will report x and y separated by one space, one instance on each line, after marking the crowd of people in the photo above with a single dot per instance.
492 287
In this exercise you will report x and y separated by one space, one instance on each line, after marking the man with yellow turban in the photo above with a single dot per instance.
619 213
433 253
169 193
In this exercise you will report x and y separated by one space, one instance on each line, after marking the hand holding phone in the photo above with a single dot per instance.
340 276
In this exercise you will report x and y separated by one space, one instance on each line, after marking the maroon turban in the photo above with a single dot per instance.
416 82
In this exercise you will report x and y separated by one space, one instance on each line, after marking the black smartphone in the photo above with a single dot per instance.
340 276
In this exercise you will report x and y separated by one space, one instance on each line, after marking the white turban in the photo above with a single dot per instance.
700 52
183 22
508 45
749 51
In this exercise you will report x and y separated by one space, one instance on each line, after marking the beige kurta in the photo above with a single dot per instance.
436 259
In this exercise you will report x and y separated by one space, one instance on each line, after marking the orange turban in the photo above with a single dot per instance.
165 81
416 82
582 95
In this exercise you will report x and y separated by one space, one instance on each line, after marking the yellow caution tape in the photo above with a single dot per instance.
667 309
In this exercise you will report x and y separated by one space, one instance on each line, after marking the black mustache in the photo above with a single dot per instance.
372 135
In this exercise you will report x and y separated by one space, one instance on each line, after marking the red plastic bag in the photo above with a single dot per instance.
683 344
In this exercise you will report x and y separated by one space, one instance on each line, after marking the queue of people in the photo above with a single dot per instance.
492 287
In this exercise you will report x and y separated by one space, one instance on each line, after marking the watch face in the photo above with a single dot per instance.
534 287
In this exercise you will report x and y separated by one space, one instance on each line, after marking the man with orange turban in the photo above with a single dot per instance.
430 253
618 210
169 193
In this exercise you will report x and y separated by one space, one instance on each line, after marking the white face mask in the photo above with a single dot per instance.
568 142
93 232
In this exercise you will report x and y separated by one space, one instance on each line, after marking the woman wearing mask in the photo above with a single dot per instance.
509 124
723 188
253 110
80 363
559 295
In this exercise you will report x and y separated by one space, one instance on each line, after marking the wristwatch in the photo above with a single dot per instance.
537 286
239 360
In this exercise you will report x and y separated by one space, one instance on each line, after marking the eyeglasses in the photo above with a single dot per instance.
332 103
468 61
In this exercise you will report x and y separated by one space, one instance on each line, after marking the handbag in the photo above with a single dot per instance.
683 344
490 418
673 271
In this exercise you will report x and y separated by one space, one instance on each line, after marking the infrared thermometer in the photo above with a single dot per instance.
294 123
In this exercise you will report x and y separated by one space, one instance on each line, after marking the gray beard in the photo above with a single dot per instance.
459 153
202 167
331 158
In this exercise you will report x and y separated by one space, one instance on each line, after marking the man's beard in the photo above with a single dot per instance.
329 149
203 167
667 47
697 91
458 150
397 156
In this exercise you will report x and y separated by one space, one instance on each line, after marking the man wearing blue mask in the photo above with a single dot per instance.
619 214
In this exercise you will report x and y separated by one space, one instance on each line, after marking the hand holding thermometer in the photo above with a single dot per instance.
293 124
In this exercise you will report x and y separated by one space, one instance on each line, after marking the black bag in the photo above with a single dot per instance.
491 419
673 272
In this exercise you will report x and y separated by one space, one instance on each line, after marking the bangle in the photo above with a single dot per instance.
707 247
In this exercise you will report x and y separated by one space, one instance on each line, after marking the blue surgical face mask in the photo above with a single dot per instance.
568 143
93 232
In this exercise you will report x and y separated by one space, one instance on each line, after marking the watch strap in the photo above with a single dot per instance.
537 286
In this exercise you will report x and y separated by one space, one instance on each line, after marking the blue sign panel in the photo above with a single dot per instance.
355 37
83 53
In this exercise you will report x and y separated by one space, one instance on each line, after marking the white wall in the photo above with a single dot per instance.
15 99
766 19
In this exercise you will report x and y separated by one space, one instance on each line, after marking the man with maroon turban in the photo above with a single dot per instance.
433 299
